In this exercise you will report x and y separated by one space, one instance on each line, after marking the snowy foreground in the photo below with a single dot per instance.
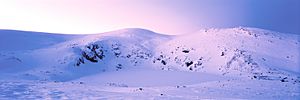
234 63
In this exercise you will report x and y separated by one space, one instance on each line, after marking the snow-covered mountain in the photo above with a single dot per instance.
122 60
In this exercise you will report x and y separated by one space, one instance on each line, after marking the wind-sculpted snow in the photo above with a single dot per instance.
111 59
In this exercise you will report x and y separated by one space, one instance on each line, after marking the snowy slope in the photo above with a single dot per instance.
12 40
125 62
237 50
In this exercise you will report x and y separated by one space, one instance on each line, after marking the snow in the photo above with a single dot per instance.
18 40
232 63
147 78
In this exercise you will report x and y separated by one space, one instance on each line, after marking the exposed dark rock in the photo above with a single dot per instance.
93 54
222 54
119 66
117 54
163 62
80 61
284 80
158 59
161 56
141 89
186 51
92 58
189 63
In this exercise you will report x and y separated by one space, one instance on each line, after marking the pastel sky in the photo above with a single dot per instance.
163 16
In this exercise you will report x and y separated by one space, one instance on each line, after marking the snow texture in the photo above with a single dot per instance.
232 63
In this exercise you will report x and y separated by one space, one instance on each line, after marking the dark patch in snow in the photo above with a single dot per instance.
222 54
163 62
189 63
186 51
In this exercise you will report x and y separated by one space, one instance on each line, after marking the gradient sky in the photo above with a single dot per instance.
163 16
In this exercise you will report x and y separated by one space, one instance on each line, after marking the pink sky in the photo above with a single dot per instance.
88 16
163 16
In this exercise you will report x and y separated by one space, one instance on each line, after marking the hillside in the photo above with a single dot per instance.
134 63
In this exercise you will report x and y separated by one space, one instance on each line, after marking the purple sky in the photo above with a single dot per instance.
163 16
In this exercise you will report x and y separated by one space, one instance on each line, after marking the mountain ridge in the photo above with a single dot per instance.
144 44
231 59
